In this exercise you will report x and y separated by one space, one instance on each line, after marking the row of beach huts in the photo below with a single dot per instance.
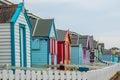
27 40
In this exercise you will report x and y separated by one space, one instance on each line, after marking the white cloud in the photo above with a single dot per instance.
98 17
110 41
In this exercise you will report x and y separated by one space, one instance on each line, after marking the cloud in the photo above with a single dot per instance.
110 41
100 18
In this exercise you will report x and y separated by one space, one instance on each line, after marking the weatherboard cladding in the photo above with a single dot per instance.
9 34
5 45
39 55
21 19
6 13
43 27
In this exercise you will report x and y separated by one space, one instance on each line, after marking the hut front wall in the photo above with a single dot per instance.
75 55
40 54
5 44
80 54
21 20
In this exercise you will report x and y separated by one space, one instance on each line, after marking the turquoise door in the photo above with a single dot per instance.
23 58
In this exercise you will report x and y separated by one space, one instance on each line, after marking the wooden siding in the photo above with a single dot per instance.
76 55
39 56
61 51
22 20
5 44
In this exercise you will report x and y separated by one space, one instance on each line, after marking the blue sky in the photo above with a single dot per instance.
100 18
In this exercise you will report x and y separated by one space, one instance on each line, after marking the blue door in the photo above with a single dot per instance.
23 57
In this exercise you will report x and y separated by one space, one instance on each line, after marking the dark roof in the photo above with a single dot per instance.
61 34
6 13
83 40
43 27
33 22
74 38
78 39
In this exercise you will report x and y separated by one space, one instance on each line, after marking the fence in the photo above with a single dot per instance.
98 74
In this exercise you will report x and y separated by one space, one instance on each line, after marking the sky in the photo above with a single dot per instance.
100 18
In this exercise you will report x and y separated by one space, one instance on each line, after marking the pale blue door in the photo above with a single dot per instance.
23 57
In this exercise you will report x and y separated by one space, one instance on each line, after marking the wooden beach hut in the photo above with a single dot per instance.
76 49
44 44
85 41
15 36
64 44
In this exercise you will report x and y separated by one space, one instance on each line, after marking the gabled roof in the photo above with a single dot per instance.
61 34
79 39
6 13
33 22
43 27
10 13
75 38
83 40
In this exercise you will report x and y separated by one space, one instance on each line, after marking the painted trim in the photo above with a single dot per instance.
13 58
12 21
52 23
24 44
17 13
28 20
54 29
20 49
30 27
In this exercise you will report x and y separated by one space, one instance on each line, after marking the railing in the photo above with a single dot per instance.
36 74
